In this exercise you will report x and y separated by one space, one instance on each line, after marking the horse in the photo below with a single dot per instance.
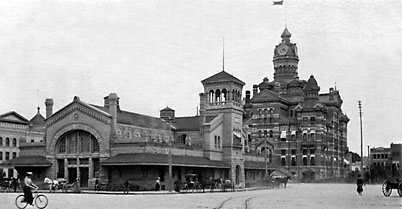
227 184
53 184
281 180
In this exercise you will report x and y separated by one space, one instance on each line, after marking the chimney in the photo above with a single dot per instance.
255 90
331 93
49 107
248 96
113 101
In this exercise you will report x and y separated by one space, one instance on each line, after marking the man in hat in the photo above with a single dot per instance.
28 187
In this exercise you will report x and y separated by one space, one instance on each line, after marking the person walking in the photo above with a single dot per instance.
126 187
359 184
158 184
28 187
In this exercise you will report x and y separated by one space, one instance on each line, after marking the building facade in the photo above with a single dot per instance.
304 131
388 159
14 130
286 126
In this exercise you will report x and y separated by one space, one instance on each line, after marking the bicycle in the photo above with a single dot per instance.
40 201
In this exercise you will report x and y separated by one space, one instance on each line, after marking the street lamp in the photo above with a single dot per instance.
170 154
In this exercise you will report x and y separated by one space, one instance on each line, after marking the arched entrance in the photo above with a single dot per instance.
77 156
238 174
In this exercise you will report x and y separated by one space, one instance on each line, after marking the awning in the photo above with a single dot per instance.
283 135
29 161
304 131
158 159
312 132
293 133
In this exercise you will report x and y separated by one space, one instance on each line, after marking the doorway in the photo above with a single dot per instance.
84 171
72 175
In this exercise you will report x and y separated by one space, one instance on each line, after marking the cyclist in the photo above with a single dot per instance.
28 187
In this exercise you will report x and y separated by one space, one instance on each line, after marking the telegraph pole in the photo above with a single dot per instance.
361 137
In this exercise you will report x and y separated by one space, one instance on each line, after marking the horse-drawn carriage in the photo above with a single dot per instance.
192 184
58 184
387 187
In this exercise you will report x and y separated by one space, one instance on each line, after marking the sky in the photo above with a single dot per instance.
155 53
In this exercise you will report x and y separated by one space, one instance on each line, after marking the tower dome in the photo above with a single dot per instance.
285 59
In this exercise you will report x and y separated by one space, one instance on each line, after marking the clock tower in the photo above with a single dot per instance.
285 60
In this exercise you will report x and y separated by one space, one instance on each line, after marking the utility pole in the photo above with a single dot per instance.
170 154
361 137
265 154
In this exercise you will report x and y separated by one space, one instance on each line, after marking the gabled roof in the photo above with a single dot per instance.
13 117
77 100
158 159
221 77
136 119
267 96
311 85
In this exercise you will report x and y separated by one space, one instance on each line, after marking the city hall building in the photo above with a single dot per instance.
305 130
286 126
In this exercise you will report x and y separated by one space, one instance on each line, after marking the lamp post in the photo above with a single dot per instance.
170 155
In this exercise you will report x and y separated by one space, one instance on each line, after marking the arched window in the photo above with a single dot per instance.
77 142
224 95
1 141
14 142
7 142
211 96
218 95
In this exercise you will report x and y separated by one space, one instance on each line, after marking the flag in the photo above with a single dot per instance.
278 2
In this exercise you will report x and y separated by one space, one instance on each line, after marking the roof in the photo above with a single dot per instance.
254 165
222 76
267 95
38 120
136 119
13 117
187 123
158 159
29 161
286 33
311 85
167 109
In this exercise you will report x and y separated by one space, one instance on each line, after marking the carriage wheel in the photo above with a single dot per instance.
386 188
400 189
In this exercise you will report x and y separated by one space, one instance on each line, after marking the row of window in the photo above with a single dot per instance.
380 156
305 151
293 161
7 142
223 95
7 155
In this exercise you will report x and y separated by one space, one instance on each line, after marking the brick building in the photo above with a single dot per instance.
305 130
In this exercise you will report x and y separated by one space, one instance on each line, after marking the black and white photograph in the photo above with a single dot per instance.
214 104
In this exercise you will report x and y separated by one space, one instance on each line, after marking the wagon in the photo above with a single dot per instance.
388 186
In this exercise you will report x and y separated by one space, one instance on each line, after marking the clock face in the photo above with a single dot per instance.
283 49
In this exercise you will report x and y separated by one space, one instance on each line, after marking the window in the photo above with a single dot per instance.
216 141
304 151
1 155
283 161
304 160
1 141
60 165
7 142
312 119
305 120
293 152
14 155
77 142
293 161
312 161
14 142
7 155
283 152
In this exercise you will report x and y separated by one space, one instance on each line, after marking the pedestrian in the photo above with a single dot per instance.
126 187
158 184
96 184
14 184
28 187
359 184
